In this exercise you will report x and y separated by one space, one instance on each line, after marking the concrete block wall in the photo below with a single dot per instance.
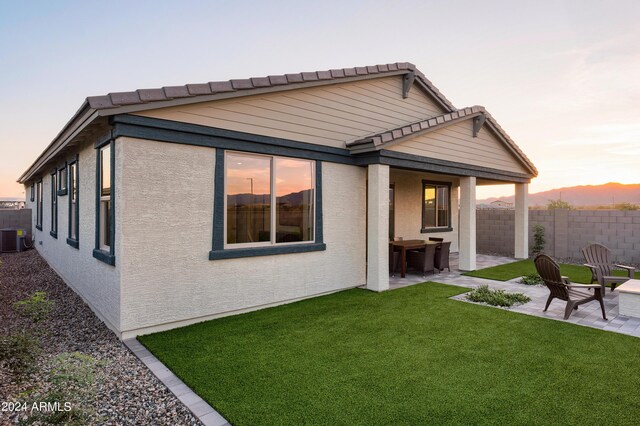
20 219
566 232
495 231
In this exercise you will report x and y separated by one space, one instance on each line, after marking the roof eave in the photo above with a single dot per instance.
83 116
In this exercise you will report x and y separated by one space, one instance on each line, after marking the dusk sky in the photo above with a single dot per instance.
561 77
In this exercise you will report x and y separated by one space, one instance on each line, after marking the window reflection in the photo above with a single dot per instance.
248 180
294 200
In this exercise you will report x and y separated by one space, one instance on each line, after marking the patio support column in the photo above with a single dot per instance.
522 221
467 223
378 227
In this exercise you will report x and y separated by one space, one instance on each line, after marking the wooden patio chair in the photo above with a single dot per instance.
598 258
560 287
422 260
442 256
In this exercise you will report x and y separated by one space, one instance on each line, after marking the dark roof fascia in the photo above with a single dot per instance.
495 128
82 118
434 94
406 161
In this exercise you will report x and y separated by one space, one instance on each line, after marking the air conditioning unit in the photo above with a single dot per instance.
12 240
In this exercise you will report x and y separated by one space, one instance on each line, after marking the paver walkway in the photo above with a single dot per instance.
588 315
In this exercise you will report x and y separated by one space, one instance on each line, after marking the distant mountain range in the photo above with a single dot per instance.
294 199
585 195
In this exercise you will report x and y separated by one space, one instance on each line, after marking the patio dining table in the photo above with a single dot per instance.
404 245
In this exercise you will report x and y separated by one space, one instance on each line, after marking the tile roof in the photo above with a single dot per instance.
379 140
95 106
167 93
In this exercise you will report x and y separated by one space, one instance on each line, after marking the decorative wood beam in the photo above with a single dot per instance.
477 124
407 82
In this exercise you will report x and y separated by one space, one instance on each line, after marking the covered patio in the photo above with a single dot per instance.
422 179
416 205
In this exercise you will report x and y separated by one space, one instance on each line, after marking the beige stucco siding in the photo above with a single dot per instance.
456 143
167 202
408 205
325 115
96 282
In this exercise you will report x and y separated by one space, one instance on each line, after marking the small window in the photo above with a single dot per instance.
436 211
105 198
269 200
32 193
62 180
72 174
54 206
39 205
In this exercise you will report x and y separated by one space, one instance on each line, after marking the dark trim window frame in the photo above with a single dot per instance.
39 205
62 179
73 236
219 251
32 194
439 222
101 252
54 204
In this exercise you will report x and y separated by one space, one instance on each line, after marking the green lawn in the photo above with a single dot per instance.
407 356
509 271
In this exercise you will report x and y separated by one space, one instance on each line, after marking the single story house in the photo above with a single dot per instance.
164 207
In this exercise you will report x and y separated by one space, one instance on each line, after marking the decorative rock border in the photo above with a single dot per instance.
198 406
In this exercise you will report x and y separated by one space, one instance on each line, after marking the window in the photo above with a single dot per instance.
39 205
269 200
436 211
62 180
105 230
32 193
72 174
54 206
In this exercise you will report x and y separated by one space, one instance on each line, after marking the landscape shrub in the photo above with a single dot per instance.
496 297
37 307
531 279
73 376
538 239
18 352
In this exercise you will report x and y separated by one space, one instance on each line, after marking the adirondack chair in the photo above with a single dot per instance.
560 287
598 258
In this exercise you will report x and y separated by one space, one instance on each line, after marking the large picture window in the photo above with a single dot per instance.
105 230
74 216
436 206
54 205
269 200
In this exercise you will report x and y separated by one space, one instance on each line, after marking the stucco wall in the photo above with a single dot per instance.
408 206
167 203
96 282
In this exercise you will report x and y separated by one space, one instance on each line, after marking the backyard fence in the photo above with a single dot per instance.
566 232
17 219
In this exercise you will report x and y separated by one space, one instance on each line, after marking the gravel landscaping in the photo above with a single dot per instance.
121 390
